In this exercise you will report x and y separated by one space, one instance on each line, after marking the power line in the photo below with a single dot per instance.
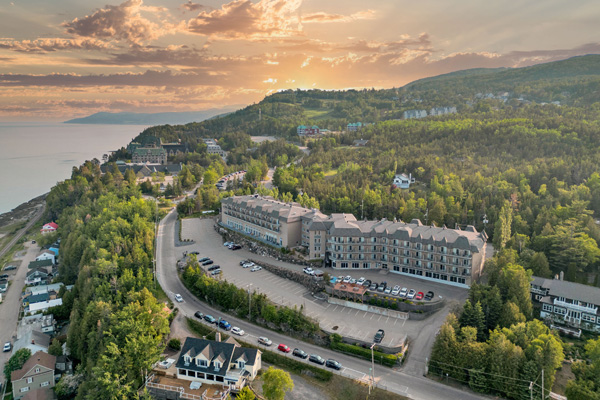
480 372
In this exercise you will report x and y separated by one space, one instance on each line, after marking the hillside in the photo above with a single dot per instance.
129 118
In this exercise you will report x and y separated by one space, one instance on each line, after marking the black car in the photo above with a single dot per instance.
429 295
210 319
316 359
194 252
333 364
299 353
208 262
214 267
243 262
379 336
10 268
236 247
203 259
198 314
4 276
367 283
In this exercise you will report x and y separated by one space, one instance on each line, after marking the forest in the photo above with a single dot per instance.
117 327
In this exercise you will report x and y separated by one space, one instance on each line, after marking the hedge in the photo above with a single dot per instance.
389 360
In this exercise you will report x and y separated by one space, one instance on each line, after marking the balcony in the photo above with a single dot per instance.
589 310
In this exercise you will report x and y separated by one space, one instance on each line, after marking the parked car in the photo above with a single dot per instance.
373 286
243 262
208 262
237 331
309 271
178 298
419 296
216 272
256 268
214 267
347 279
7 347
316 359
235 247
194 252
203 259
333 364
225 325
382 286
227 244
248 264
396 290
9 268
403 292
388 290
352 281
379 336
367 283
299 353
33 242
361 280
283 347
210 319
429 295
4 276
411 294
198 314
264 340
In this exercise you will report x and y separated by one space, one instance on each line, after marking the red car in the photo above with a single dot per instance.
284 348
419 296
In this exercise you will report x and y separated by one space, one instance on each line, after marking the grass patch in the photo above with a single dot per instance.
389 360
161 296
6 258
342 388
204 331
316 113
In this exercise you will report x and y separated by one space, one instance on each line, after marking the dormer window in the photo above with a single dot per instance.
217 365
241 364
201 363
187 359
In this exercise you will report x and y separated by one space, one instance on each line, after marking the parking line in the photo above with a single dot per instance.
372 316
387 320
335 307
365 314
357 311
404 322
379 317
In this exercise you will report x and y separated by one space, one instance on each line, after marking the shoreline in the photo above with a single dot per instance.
23 211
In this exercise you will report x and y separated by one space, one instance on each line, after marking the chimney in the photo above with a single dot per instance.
562 275
217 336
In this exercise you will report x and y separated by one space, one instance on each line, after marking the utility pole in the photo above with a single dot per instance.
543 394
372 368
530 390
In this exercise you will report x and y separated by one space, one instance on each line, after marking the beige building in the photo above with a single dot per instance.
154 155
37 373
450 256
264 219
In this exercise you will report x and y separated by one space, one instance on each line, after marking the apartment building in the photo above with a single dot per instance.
567 303
451 256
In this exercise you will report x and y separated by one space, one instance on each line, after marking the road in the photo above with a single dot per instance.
18 236
415 387
9 309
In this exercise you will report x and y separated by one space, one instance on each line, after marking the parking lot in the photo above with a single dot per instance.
344 320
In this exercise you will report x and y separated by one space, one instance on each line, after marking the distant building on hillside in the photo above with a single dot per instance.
414 114
402 181
49 228
156 155
216 149
174 149
353 127
442 110
303 130
360 142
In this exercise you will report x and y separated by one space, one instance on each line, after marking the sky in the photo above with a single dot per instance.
61 59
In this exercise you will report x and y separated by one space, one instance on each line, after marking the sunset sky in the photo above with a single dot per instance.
66 58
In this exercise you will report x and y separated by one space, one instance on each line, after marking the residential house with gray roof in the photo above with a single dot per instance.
565 303
36 374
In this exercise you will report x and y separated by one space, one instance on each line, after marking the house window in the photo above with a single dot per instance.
217 364
37 370
25 389
44 384
29 380
241 364
547 307
201 363
366 265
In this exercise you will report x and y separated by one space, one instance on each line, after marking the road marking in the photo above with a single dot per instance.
365 314
357 311
396 321
335 308
387 320
403 322
379 317
372 317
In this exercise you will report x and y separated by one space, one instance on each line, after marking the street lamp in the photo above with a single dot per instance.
249 302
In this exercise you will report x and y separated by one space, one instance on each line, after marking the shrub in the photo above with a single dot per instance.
388 360
175 344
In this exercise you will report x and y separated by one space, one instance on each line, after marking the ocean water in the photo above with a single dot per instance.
35 156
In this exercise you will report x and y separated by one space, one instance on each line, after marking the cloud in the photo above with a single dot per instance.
122 22
242 19
191 6
322 17
53 44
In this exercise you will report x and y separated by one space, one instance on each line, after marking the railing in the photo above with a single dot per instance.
591 310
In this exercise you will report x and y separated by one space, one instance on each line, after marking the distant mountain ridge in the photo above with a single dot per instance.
165 118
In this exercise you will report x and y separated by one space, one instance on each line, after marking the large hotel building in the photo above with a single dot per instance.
451 256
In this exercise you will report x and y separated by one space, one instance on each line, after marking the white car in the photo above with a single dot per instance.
361 280
396 290
388 290
248 264
411 294
347 279
352 281
227 244
7 347
256 268
309 271
178 298
237 331
403 292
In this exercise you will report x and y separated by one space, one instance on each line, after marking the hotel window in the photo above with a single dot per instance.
366 265
344 265
355 265
547 307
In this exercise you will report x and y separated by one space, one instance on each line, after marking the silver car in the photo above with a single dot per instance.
411 294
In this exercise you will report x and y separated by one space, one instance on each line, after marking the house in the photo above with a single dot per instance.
54 287
213 362
303 130
37 373
442 110
38 306
34 341
209 141
38 322
44 393
47 255
174 149
353 127
410 114
50 227
360 142
402 181
216 149
38 276
64 365
567 304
